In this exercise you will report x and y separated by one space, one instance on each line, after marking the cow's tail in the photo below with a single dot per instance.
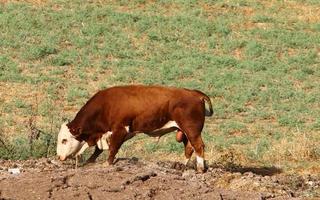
206 99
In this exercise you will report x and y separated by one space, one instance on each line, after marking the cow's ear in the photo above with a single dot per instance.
78 131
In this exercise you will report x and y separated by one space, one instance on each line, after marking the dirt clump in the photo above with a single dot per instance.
135 179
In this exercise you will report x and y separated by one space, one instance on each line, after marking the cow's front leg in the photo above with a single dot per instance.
85 145
78 154
95 155
119 135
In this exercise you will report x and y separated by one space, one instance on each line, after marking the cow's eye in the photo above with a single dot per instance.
64 141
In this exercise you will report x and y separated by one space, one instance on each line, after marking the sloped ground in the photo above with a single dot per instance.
135 179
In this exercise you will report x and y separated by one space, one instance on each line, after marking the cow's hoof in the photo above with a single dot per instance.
200 170
189 164
89 163
106 164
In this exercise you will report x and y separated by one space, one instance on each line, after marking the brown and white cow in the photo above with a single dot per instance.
124 111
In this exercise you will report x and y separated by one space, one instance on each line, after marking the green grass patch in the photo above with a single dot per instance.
258 61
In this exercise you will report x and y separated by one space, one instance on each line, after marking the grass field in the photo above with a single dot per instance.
259 61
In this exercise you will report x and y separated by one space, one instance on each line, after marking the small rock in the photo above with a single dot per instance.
188 173
266 177
14 171
46 169
54 162
237 175
133 160
311 183
267 195
249 174
274 179
118 169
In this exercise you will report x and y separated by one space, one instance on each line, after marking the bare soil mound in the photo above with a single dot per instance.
135 179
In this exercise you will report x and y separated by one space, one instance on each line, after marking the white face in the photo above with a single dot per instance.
67 145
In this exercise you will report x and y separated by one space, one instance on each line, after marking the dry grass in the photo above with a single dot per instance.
301 147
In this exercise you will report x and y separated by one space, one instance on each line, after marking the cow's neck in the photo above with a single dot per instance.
86 121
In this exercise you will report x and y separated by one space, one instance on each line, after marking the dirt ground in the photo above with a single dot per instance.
136 179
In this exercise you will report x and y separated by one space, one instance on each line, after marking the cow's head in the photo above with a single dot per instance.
67 144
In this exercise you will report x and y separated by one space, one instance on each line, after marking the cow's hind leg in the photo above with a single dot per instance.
192 127
196 142
95 155
199 146
118 137
193 141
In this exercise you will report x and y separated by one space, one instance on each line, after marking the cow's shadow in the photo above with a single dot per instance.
263 171
230 167
131 160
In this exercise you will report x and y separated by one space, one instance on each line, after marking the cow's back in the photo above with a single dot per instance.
139 98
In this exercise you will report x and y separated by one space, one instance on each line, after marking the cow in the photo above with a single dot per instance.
121 112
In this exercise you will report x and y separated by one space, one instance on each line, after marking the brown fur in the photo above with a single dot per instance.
142 109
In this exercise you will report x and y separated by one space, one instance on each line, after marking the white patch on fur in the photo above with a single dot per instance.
83 148
127 128
168 127
108 135
67 145
103 142
200 162
170 124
